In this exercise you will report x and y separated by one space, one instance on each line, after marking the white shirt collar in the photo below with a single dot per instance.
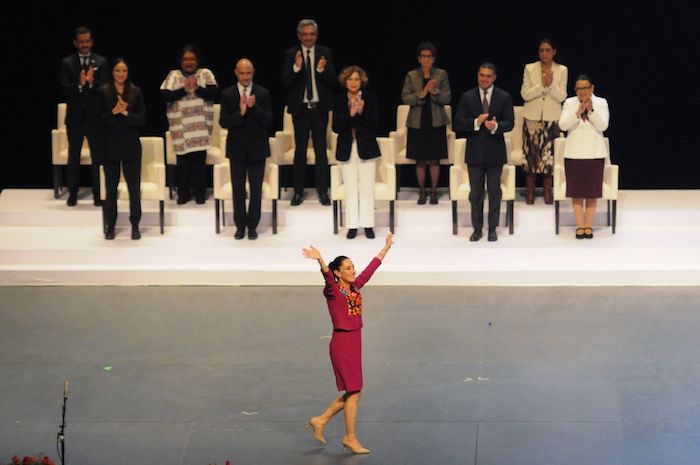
248 88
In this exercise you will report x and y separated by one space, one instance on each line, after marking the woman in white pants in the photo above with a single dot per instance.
355 119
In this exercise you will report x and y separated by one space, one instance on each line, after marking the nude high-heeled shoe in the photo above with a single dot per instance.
318 432
347 447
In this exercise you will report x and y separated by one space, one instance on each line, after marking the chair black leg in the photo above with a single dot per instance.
217 215
608 212
556 216
510 214
454 217
169 179
340 212
614 215
274 216
57 172
391 216
161 215
398 178
335 217
223 212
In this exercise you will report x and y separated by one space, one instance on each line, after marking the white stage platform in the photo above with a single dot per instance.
44 242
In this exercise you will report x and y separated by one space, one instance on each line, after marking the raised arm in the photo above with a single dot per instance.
387 245
314 254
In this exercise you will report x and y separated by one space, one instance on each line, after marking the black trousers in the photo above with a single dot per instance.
76 134
191 174
255 171
316 121
491 175
132 175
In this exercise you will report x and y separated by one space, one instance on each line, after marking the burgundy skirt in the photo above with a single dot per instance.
584 178
346 357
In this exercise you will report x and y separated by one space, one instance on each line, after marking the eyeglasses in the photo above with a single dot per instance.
422 55
581 88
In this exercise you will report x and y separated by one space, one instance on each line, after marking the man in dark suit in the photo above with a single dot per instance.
485 113
246 111
82 73
309 75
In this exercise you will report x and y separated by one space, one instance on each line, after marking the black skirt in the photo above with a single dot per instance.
584 178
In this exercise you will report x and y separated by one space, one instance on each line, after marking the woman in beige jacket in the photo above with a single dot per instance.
543 90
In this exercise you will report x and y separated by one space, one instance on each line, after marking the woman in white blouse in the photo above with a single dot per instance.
584 117
543 91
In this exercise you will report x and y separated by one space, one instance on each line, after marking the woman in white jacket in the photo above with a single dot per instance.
543 91
584 117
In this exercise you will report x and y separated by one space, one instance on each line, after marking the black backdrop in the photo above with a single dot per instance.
642 58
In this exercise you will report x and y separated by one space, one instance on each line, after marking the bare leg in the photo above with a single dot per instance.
350 440
319 423
590 211
578 212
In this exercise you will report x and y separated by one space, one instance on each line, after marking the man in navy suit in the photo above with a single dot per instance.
246 111
308 75
485 113
82 73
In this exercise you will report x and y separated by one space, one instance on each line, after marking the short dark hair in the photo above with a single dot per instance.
489 65
584 77
426 46
547 40
347 72
80 31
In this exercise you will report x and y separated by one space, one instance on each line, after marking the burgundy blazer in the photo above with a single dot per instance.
338 304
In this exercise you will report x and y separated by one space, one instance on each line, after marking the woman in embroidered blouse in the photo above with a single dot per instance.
189 94
344 301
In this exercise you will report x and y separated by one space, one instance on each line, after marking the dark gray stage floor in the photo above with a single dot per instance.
487 376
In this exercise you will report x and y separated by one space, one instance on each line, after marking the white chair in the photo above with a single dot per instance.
611 175
460 187
216 153
400 136
223 189
282 151
59 150
515 154
384 184
152 177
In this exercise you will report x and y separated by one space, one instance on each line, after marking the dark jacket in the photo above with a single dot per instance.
81 101
484 148
120 134
247 135
365 125
295 83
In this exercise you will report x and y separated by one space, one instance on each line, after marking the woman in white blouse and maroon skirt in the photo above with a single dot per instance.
584 117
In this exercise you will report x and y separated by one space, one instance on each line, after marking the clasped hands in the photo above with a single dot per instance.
490 123
299 58
429 88
245 103
120 107
585 106
87 77
356 106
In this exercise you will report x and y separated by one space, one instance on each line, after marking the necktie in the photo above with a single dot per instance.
84 62
485 102
309 83
244 95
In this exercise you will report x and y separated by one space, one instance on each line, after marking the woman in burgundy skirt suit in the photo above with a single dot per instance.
342 294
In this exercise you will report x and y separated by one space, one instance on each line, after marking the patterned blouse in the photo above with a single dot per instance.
354 299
